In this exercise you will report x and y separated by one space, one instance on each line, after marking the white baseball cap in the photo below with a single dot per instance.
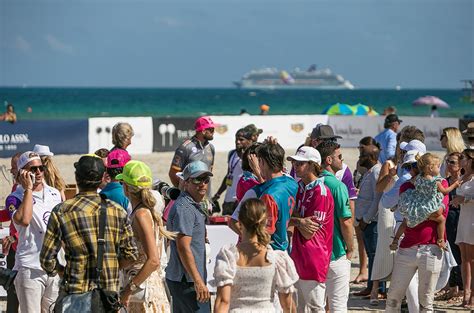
414 144
26 157
410 156
306 154
42 150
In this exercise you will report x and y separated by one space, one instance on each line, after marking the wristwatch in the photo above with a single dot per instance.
133 286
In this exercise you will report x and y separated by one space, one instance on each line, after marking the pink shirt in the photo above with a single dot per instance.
312 257
425 232
246 182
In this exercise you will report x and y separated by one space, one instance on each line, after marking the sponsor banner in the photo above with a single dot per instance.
169 133
62 137
100 133
290 130
354 128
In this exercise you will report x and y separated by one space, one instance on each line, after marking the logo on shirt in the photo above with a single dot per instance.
11 208
46 216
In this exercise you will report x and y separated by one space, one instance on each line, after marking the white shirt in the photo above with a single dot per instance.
235 171
30 238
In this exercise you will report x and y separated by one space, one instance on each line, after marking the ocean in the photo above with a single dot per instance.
78 103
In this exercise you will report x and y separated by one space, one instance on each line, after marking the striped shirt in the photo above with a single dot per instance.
75 224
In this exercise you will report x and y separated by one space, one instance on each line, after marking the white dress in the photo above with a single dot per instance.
465 232
253 288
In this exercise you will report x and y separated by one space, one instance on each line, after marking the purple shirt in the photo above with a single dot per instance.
345 176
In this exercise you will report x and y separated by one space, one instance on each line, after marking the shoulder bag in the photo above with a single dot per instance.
98 300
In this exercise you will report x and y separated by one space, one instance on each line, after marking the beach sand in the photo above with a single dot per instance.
160 162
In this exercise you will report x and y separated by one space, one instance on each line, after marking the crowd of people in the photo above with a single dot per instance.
411 212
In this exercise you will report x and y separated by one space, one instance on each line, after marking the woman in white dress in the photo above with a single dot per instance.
464 236
248 274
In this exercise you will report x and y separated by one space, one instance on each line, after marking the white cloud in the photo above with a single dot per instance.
168 21
22 45
57 45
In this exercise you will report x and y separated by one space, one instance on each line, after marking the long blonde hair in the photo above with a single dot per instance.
253 215
51 174
149 201
454 140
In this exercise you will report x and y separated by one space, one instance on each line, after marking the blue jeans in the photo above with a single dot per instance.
184 298
370 242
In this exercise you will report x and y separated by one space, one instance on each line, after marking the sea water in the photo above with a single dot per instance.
77 103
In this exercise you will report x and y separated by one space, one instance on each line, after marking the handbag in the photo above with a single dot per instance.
97 300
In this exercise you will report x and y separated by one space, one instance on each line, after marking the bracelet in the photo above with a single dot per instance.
440 240
395 238
28 189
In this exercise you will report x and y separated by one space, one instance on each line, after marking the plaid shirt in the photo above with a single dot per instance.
74 224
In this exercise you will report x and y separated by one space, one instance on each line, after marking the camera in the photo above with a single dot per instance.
168 192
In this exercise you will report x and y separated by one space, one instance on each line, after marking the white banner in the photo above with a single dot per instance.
290 130
353 128
100 133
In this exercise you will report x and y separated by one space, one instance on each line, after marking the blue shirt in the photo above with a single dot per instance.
114 191
187 218
390 198
388 142
279 195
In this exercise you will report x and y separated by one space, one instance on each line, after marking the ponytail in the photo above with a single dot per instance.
149 202
254 218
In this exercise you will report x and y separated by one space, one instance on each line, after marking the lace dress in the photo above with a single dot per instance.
417 204
253 288
465 232
157 301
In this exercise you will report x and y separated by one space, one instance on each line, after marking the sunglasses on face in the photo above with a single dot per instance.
200 180
33 169
211 130
339 156
451 162
298 163
442 136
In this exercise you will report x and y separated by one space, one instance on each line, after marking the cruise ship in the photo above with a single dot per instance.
312 78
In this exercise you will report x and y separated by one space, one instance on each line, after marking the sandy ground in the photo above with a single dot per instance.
159 163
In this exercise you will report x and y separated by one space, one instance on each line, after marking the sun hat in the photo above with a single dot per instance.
323 132
204 122
414 144
90 167
410 156
469 131
196 169
136 173
117 158
26 157
42 150
306 154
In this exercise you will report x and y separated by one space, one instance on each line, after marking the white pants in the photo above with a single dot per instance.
36 291
412 290
427 259
311 296
337 284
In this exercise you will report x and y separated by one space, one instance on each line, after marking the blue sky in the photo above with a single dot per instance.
373 43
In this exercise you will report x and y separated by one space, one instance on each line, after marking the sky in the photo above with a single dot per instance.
203 43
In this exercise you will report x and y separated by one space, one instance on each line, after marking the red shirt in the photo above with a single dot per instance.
425 232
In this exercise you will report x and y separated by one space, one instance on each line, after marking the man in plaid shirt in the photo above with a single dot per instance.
74 224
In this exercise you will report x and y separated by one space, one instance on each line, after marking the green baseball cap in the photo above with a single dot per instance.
136 173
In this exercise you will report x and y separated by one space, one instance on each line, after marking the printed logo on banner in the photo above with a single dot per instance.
222 129
169 133
297 127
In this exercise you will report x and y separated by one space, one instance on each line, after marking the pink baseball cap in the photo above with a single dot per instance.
118 158
204 122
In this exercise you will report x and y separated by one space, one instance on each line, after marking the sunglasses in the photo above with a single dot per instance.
211 130
451 162
200 180
298 163
33 169
442 136
339 156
